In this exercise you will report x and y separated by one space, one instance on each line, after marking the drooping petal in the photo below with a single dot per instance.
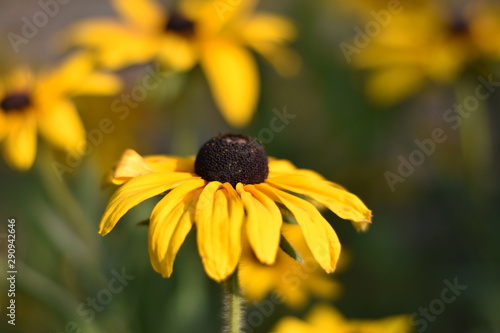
263 223
145 14
137 190
236 217
343 203
170 222
19 144
60 124
232 75
213 232
319 235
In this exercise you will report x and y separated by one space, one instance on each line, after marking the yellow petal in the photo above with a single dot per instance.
131 165
170 163
170 222
135 191
20 79
60 124
77 76
19 144
265 27
343 203
393 324
66 77
263 223
212 16
319 235
236 217
391 85
325 317
280 167
292 325
232 75
219 242
4 125
267 33
146 14
98 84
177 52
115 44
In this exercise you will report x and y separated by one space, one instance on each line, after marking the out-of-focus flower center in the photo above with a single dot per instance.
459 27
179 24
233 159
15 102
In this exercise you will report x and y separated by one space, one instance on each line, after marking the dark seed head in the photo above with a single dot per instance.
233 159
459 26
15 102
179 24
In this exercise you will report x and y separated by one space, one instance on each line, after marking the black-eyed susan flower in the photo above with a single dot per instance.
197 31
229 190
429 41
292 280
322 319
40 103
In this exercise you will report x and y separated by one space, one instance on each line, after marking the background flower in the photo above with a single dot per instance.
295 282
31 103
196 32
325 319
428 42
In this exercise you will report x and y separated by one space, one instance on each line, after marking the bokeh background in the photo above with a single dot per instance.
441 223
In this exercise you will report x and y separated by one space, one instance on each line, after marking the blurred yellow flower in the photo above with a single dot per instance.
199 31
31 104
230 188
426 42
323 319
291 280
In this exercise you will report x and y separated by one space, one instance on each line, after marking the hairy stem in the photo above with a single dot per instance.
233 304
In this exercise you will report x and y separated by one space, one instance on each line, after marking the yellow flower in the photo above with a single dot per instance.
31 104
323 319
230 188
197 31
428 42
292 281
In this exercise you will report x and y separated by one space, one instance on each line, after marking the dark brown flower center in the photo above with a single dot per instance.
233 159
459 26
15 102
179 24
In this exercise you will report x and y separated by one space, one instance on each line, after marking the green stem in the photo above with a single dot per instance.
234 304
65 202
